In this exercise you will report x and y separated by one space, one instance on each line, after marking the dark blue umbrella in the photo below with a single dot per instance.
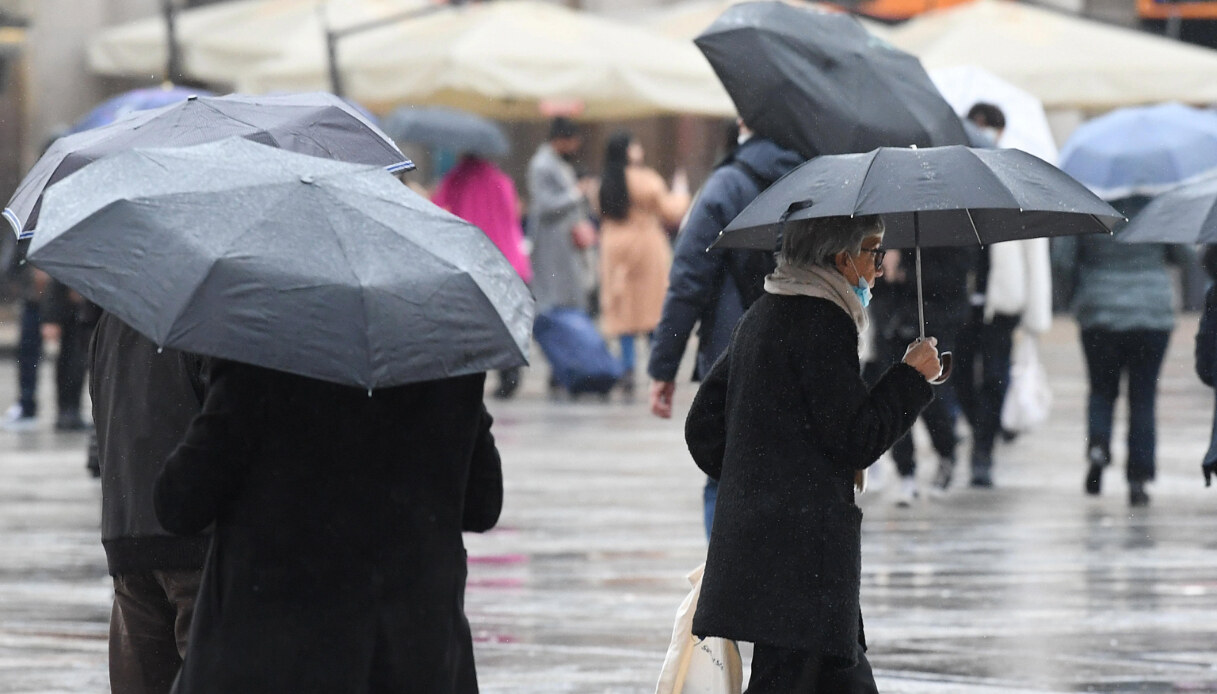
1142 150
119 106
449 129
317 124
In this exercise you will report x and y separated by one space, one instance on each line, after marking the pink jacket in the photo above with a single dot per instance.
479 192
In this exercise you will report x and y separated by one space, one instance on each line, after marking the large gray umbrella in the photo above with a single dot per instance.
319 124
448 128
325 269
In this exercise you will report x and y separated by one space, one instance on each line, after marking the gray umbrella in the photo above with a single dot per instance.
448 128
1184 214
319 124
325 269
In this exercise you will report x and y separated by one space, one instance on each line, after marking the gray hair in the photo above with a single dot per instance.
818 241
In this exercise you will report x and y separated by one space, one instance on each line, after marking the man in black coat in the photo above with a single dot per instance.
785 422
144 399
711 289
337 563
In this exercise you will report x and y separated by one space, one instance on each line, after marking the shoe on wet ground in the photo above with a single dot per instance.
982 478
15 419
944 474
1099 459
908 493
70 420
1137 495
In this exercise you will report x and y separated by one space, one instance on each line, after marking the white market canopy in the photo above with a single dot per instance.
221 42
688 19
1026 123
1064 60
511 59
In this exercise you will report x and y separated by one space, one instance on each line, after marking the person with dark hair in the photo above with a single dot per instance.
786 424
635 206
990 119
558 220
710 290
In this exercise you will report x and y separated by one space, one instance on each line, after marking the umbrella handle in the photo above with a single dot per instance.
945 360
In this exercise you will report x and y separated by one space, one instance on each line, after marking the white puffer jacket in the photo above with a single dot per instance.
1020 283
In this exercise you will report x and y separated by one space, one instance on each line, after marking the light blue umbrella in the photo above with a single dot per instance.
1142 150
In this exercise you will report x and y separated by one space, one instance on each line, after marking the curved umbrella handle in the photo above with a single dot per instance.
945 360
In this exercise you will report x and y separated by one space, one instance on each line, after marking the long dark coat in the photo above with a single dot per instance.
337 563
783 421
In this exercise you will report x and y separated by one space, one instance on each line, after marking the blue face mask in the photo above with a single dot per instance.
862 288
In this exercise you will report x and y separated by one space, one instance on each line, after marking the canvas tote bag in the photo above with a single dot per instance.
699 666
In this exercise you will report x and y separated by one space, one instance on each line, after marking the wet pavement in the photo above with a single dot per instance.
1028 587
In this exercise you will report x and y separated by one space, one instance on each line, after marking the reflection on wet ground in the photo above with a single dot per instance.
1029 587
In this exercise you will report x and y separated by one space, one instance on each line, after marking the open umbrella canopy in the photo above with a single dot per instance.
1065 60
1026 122
317 124
1184 214
1142 150
447 128
119 106
818 83
940 196
320 268
220 41
511 59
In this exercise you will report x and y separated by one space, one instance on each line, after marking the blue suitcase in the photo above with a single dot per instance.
576 352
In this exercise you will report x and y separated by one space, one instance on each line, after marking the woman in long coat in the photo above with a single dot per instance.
786 424
337 563
635 254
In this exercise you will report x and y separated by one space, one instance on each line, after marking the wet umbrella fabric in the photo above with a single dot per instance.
1184 214
317 124
1143 150
448 128
126 103
818 83
320 268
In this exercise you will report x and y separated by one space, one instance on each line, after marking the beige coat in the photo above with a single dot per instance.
635 255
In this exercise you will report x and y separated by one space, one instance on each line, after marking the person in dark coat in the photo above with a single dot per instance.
337 563
786 424
1206 354
711 290
898 322
144 399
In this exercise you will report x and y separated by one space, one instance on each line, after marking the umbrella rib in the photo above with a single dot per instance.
363 303
975 231
862 183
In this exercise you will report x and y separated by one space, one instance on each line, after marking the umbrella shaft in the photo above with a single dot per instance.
917 253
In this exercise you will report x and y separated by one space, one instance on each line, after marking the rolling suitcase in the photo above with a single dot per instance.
576 352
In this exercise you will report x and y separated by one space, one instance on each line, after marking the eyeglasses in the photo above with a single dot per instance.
879 253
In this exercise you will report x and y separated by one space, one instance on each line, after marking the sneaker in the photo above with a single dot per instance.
15 419
982 472
1136 494
946 470
908 494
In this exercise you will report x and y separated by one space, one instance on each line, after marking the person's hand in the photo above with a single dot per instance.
680 182
583 234
893 271
51 332
923 356
661 398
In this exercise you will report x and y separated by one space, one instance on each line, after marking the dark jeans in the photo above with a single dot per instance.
981 376
1109 355
148 628
783 671
939 416
70 365
29 353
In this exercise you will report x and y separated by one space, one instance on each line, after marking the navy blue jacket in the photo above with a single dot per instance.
701 289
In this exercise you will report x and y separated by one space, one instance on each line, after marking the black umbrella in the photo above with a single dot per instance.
818 83
941 196
448 128
1184 214
318 124
321 268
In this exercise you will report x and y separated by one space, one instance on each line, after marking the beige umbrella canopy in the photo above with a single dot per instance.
221 42
511 59
688 19
1064 60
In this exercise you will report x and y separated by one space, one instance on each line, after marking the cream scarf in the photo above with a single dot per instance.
824 283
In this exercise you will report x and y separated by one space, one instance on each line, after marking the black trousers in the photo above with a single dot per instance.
784 671
982 374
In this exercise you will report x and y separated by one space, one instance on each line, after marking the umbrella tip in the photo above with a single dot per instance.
159 349
306 179
369 392
192 97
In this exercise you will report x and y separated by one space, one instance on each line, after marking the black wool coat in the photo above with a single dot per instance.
337 563
783 421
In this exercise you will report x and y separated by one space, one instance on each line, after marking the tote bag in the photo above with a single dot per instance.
1029 398
699 666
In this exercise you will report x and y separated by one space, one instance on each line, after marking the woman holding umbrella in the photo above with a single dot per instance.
786 424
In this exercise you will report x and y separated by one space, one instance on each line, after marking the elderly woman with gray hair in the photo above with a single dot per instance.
787 426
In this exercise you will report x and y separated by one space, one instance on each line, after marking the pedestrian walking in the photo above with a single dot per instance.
709 290
144 398
635 255
480 193
786 424
1206 353
897 323
1123 303
558 223
337 562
